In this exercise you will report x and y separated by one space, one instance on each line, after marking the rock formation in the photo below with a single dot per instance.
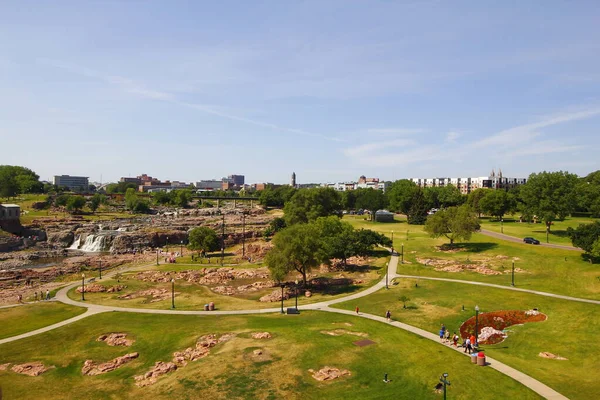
92 368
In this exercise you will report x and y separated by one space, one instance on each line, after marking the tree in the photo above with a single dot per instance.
550 196
271 197
309 204
450 196
365 239
95 201
61 200
455 223
16 180
401 195
181 198
161 198
75 203
417 214
296 248
585 236
120 187
203 239
370 199
348 198
134 203
474 199
497 203
275 226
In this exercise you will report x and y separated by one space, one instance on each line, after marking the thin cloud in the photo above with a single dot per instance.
370 147
452 136
394 131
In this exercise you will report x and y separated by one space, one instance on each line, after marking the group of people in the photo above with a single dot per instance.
35 296
469 343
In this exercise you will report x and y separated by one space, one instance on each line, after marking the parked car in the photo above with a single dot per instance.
531 240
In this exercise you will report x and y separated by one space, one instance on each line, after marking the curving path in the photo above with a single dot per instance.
509 238
93 309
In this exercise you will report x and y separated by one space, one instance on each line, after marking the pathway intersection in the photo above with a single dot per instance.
531 383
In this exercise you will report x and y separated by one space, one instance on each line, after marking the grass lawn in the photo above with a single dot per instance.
414 365
193 296
569 331
558 232
21 319
546 269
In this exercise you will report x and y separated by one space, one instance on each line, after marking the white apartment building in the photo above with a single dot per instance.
467 185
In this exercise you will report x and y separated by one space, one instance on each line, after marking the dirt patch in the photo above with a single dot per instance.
260 355
115 339
261 335
328 373
498 321
545 354
159 369
340 332
32 369
92 368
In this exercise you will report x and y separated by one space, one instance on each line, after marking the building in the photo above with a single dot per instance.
10 212
136 181
209 185
363 183
237 180
72 182
467 185
293 182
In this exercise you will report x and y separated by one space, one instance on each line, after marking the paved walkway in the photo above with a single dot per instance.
520 240
93 309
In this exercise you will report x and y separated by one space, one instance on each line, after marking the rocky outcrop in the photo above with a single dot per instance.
275 295
328 373
97 288
32 369
159 369
261 335
115 339
92 368
62 239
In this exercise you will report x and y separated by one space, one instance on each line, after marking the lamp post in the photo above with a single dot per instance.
296 294
282 286
501 225
392 242
167 245
82 287
156 256
100 268
402 262
387 268
445 381
181 249
476 325
172 293
513 274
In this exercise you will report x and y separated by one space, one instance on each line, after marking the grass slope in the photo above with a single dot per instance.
21 319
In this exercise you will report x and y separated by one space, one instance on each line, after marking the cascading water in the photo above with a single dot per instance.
94 243
76 243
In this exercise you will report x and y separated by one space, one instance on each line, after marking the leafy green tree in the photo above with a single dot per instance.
370 199
432 197
181 198
364 240
474 198
497 203
16 180
61 200
550 196
75 203
134 203
296 248
450 196
96 200
161 198
348 199
455 223
275 226
417 214
309 204
401 195
276 197
203 239
585 236
120 187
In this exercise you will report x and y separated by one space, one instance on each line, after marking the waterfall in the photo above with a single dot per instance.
76 243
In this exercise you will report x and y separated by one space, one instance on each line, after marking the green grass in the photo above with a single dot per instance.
569 331
21 319
512 227
546 269
229 372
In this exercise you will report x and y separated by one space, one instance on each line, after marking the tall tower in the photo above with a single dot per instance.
293 183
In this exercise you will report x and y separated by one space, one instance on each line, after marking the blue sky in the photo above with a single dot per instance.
332 90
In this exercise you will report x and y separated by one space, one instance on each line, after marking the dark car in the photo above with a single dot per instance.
531 240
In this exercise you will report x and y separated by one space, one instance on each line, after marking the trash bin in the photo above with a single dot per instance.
211 306
474 358
206 307
481 359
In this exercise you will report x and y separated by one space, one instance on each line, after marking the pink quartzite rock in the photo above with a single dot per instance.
115 339
92 368
32 369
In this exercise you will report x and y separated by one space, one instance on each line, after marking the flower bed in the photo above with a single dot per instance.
499 320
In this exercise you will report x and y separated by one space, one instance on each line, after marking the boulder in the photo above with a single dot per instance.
91 368
328 373
115 339
32 369
159 369
262 335
61 239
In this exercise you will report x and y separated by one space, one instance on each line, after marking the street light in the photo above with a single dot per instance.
445 381
181 249
157 256
501 225
167 244
282 286
100 268
392 242
476 325
172 293
513 274
296 294
387 268
82 287
402 254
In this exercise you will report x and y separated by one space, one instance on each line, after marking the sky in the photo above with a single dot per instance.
331 90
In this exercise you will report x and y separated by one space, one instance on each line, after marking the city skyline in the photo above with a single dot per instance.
331 90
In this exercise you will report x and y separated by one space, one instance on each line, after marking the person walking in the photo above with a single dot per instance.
455 339
467 345
35 296
473 341
388 316
447 336
47 294
357 310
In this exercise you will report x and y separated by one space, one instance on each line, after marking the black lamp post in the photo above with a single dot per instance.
181 249
282 286
296 294
172 292
387 268
167 244
100 267
445 381
82 287
392 242
501 225
157 256
402 254
513 274
476 326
